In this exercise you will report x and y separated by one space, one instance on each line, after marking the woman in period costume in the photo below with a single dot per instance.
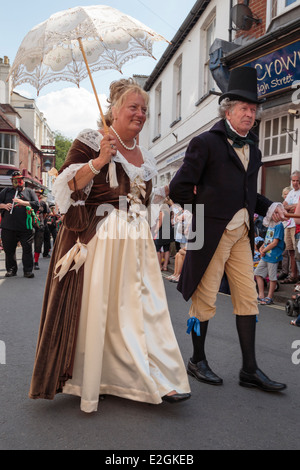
105 325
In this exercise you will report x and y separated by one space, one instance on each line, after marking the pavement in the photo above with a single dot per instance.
229 417
280 298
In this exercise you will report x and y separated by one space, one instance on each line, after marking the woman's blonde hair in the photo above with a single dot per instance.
286 190
118 93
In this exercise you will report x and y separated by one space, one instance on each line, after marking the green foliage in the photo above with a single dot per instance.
62 147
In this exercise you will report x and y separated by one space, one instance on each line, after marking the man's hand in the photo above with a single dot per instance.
279 215
20 202
7 206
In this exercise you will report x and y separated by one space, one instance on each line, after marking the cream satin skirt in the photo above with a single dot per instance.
126 345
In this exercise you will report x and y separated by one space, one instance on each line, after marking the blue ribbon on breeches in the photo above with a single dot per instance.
193 323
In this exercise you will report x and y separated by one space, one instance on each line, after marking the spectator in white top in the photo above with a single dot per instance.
290 204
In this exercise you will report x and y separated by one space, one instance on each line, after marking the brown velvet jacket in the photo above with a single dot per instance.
62 299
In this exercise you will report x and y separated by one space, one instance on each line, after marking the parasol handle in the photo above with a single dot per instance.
93 85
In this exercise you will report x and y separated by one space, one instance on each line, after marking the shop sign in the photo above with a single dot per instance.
278 70
175 157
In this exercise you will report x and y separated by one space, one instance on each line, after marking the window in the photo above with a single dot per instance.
275 177
279 135
177 89
162 180
273 8
210 37
168 177
277 7
30 160
178 93
8 143
158 111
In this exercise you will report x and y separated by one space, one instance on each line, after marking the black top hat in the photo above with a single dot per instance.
16 174
242 85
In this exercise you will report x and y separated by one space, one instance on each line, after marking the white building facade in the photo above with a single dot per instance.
35 125
184 95
24 134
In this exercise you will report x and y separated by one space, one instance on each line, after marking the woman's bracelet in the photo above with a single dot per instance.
92 168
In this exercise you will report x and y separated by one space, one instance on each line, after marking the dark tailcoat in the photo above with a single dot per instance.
223 187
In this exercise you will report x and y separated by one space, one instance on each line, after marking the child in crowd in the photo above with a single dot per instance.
271 253
258 242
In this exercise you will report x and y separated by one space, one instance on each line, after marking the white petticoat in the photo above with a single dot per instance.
126 345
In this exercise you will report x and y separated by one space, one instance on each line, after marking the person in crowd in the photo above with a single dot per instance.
105 326
290 204
183 223
296 218
271 253
52 221
164 235
258 242
285 264
179 260
16 204
176 210
183 219
158 196
259 229
296 322
39 236
47 238
223 164
1 246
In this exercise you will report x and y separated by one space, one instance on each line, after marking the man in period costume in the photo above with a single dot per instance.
16 204
220 171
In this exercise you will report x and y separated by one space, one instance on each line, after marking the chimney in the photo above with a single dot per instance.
4 85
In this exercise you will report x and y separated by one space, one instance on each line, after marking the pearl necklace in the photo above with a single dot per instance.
121 141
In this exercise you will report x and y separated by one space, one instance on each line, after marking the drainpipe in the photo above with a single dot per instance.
230 21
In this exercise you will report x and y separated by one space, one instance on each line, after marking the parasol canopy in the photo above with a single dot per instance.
73 43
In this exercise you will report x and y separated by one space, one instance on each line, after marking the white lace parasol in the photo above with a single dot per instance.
51 52
75 42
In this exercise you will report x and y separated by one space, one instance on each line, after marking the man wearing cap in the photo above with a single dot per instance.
15 226
220 171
